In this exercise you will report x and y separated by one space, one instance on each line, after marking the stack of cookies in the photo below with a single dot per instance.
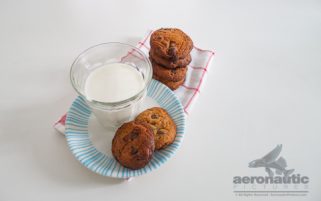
170 55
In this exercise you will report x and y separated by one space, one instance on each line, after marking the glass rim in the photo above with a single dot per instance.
117 103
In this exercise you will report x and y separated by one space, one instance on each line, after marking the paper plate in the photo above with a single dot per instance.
80 143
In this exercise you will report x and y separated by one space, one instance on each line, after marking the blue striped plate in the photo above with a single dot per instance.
81 146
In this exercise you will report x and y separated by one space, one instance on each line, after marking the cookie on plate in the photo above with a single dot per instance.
171 43
174 74
167 63
170 84
162 124
133 144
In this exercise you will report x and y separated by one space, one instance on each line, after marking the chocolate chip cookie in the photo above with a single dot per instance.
162 124
170 84
174 74
171 43
133 144
169 63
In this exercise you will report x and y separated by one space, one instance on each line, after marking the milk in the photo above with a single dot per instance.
113 83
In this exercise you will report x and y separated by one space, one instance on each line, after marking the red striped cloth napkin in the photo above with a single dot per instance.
188 92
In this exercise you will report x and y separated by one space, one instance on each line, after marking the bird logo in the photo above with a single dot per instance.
271 161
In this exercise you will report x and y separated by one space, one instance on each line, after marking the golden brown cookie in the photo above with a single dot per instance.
133 145
171 43
168 63
170 84
162 124
174 74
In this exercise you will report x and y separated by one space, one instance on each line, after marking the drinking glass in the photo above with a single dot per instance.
111 114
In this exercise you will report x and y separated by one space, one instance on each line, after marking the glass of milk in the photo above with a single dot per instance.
113 79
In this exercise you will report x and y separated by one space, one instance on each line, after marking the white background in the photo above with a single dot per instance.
263 89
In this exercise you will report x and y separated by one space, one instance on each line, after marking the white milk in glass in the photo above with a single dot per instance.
113 83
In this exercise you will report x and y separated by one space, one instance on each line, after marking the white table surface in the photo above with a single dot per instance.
263 89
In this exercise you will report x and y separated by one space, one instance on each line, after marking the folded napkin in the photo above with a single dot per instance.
188 92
